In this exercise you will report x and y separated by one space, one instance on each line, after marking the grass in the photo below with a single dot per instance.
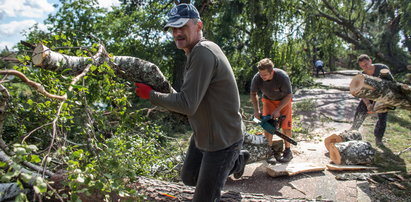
397 139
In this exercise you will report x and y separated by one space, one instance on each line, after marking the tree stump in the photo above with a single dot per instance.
353 152
388 92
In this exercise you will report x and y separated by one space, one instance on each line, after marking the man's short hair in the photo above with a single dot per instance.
363 57
265 64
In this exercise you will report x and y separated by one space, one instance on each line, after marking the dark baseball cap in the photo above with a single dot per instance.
180 14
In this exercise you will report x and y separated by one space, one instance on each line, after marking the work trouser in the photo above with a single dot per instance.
318 70
361 114
208 171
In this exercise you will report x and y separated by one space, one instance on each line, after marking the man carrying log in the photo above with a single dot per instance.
209 97
366 106
275 85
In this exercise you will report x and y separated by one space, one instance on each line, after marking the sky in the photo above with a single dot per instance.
19 15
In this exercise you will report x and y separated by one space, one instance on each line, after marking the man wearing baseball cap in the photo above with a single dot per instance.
210 98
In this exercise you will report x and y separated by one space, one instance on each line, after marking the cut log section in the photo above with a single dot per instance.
388 92
292 169
352 153
342 137
335 167
259 148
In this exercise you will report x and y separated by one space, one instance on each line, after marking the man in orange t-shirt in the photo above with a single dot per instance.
277 96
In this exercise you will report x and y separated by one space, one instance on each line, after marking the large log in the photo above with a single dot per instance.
353 152
129 68
258 147
344 136
388 92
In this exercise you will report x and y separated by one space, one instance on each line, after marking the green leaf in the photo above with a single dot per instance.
21 197
25 177
3 164
32 147
30 101
35 159
20 151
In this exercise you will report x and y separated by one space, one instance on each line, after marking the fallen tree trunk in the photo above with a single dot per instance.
353 152
342 137
129 68
156 190
388 92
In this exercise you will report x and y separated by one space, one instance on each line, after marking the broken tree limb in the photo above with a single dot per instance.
38 87
388 92
353 152
129 68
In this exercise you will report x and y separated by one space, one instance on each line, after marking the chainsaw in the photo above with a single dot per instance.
272 125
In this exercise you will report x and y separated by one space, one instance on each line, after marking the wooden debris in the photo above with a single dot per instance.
335 167
296 188
363 176
398 185
405 150
292 169
353 176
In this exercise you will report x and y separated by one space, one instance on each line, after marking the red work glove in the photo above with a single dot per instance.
143 90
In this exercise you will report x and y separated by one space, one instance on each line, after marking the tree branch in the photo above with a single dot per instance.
38 87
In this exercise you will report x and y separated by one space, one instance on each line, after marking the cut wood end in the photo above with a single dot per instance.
39 53
384 71
409 67
332 139
405 87
356 84
335 155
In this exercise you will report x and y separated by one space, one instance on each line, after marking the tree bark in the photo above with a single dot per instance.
388 92
156 190
352 153
129 68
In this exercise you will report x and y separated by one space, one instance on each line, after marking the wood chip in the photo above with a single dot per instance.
398 185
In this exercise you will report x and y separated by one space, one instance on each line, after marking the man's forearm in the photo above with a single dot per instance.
284 102
254 100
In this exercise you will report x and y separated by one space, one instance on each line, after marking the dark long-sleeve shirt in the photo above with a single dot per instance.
208 96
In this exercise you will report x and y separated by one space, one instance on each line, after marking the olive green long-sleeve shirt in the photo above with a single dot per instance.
208 96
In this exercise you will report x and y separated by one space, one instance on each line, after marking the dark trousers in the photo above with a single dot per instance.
208 171
318 70
361 114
